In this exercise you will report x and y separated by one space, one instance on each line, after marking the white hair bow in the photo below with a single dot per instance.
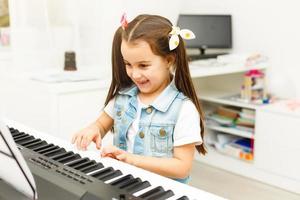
184 33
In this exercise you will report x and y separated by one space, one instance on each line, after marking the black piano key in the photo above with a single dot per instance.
55 152
138 186
48 149
25 137
61 155
102 172
76 162
85 164
16 136
69 158
23 143
129 183
36 149
35 144
22 140
110 175
183 198
14 132
11 129
121 180
162 195
151 193
91 168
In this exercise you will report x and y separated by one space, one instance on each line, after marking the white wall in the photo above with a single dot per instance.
266 26
44 29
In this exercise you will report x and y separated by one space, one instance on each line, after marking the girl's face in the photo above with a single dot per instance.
150 72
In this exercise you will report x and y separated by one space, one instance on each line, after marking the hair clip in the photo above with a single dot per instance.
124 22
184 33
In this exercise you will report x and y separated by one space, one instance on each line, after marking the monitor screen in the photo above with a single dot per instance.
212 31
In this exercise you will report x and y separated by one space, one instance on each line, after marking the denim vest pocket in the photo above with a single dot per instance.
161 140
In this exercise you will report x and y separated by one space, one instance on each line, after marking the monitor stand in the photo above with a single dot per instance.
203 55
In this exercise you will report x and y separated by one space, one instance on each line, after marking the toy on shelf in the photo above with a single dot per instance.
254 89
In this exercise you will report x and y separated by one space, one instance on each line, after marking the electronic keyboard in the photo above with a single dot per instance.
63 172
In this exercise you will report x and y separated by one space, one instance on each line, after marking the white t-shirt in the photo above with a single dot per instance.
187 128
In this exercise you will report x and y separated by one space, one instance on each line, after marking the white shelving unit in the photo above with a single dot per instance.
217 85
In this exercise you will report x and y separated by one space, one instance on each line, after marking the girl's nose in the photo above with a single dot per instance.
136 74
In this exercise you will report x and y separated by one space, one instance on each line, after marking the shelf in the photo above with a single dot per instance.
224 161
204 71
232 131
224 97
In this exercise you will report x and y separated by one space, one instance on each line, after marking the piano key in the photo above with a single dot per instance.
25 137
19 135
16 134
85 164
48 149
183 198
130 183
110 175
162 195
77 161
151 192
24 143
92 168
122 180
35 144
13 131
68 158
55 152
139 187
37 149
101 172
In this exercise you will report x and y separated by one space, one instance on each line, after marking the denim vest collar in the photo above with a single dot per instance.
162 102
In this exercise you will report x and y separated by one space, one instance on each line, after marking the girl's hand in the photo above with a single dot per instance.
84 137
119 154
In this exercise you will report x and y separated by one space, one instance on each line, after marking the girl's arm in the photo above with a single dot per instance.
177 167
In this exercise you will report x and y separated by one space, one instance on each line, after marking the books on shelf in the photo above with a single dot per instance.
220 120
245 122
238 147
228 112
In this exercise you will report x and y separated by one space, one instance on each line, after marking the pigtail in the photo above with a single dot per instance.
183 82
120 78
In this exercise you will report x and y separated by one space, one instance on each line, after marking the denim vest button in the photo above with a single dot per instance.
149 110
141 134
119 113
162 132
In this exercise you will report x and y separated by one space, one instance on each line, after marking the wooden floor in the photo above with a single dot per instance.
232 186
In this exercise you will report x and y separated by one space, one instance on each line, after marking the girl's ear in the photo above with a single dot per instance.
170 60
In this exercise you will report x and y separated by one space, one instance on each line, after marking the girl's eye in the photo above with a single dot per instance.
144 65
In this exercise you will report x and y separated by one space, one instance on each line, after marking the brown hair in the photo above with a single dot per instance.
155 31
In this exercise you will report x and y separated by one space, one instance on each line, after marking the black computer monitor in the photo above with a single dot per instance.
212 31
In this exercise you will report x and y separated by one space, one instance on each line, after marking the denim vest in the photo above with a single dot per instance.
157 122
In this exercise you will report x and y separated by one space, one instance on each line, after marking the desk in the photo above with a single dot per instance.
60 109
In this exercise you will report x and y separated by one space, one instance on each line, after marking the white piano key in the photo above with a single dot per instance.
155 180
113 179
144 190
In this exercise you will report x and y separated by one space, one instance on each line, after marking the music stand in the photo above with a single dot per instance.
13 168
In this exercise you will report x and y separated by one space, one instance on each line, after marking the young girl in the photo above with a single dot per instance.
151 106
